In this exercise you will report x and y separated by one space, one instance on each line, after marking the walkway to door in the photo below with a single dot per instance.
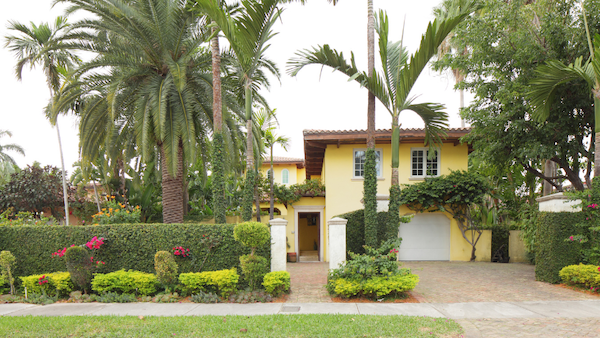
308 282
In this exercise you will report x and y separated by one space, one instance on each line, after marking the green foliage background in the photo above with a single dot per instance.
127 246
553 252
355 230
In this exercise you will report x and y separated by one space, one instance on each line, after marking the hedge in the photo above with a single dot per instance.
355 230
127 246
552 251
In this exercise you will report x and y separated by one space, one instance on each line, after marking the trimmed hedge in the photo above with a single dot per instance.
355 230
552 251
586 276
127 246
125 282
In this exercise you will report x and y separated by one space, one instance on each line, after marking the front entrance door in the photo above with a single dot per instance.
309 230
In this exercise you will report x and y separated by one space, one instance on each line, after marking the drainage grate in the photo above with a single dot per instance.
290 309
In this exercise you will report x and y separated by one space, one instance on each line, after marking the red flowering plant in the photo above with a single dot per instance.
94 244
589 233
181 251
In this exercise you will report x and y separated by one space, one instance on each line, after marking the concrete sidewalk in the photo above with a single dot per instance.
491 310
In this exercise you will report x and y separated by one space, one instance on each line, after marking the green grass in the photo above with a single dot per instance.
230 326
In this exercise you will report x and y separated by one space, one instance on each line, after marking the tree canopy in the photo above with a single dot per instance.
505 43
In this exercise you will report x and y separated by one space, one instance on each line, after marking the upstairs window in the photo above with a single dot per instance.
360 157
285 176
421 165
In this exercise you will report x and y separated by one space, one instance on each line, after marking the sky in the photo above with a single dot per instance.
315 99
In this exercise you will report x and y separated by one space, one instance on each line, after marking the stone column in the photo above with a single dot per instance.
336 244
278 244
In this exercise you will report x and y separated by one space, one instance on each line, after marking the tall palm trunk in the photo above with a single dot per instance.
371 67
218 155
395 149
172 194
370 178
64 175
249 186
272 196
596 134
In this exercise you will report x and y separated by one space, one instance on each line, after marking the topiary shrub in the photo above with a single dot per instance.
7 264
252 234
254 269
123 281
79 265
277 282
166 269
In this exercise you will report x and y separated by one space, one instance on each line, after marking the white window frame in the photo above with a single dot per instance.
288 176
425 150
378 165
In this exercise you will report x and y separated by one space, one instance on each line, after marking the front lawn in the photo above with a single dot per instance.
230 326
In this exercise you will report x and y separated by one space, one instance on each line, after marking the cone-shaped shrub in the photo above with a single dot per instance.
166 268
79 265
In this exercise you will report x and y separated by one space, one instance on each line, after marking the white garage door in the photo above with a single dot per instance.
425 238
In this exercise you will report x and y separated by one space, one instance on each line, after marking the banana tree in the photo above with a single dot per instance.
393 84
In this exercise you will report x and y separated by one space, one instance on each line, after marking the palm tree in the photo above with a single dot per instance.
150 85
268 123
553 74
7 163
248 34
44 45
4 157
393 85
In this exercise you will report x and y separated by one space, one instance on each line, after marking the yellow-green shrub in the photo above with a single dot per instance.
223 282
347 288
582 275
376 286
125 282
166 268
57 281
277 282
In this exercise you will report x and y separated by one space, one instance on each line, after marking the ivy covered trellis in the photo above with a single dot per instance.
453 193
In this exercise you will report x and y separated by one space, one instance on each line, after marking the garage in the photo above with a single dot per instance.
425 238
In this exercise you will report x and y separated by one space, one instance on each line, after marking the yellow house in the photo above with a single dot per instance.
337 157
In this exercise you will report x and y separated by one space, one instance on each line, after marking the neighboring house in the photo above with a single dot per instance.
337 158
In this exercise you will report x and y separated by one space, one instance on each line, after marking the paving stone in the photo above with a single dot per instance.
408 309
484 310
60 309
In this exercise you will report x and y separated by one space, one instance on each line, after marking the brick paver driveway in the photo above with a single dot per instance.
461 282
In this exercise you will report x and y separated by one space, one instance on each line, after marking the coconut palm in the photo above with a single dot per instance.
44 45
150 85
392 86
248 34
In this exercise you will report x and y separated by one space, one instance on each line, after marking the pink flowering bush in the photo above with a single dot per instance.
180 251
589 237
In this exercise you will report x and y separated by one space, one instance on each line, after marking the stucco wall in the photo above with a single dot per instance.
344 192
516 248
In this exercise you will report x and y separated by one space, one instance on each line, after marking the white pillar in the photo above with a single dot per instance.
558 203
336 245
278 244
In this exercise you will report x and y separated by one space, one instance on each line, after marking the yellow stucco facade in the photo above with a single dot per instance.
344 193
